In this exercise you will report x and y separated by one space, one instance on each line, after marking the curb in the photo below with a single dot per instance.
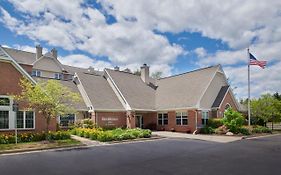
23 151
256 137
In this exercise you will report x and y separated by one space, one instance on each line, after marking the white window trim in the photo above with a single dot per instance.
207 117
181 119
12 116
58 76
58 120
37 73
162 120
24 121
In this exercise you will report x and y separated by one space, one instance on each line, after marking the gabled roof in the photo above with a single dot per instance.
220 96
139 95
100 93
183 90
80 106
20 56
6 57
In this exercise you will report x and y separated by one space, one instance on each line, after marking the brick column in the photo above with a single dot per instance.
131 119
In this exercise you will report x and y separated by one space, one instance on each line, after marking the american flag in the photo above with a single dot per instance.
254 61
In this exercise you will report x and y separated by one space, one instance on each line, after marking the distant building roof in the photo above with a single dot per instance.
81 106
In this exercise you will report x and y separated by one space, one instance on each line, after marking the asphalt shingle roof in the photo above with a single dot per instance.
99 91
183 90
138 94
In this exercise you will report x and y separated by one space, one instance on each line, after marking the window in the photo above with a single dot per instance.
162 118
36 73
4 119
4 101
29 119
205 117
181 118
58 76
66 120
20 119
25 119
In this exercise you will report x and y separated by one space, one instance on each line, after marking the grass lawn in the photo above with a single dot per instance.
38 145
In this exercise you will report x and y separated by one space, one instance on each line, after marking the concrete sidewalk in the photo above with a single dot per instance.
86 141
212 138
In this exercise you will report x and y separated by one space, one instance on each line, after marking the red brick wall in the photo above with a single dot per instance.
9 85
181 128
111 119
227 100
27 68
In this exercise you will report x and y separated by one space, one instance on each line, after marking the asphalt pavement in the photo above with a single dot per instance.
162 156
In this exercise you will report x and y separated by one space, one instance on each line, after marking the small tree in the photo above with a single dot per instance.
49 98
233 120
157 75
266 108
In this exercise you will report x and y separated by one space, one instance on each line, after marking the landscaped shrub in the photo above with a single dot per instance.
207 130
244 131
261 129
112 135
215 122
34 137
233 120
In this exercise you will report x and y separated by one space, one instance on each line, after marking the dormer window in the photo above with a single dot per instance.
36 73
58 76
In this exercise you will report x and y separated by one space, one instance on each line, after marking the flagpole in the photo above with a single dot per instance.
249 103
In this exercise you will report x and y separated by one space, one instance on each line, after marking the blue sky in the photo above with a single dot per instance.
171 36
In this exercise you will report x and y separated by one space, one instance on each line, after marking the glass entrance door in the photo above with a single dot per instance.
139 121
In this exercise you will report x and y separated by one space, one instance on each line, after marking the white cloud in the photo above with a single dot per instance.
235 22
84 61
201 52
130 43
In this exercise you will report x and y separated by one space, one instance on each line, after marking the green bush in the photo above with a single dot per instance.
111 135
105 137
215 122
233 120
261 129
244 131
207 130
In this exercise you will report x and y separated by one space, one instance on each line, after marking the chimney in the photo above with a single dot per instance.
145 73
116 68
38 51
54 53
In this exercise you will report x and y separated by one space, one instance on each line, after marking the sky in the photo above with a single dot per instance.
171 36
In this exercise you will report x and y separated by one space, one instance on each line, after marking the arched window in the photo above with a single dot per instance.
227 106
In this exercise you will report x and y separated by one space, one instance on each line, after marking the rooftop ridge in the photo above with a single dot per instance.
200 69
17 49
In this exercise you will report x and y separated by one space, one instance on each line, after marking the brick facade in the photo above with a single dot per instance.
227 100
110 119
9 85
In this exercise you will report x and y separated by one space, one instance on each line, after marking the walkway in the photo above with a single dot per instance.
212 138
86 141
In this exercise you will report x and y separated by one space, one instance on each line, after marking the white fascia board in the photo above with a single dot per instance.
83 93
117 92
